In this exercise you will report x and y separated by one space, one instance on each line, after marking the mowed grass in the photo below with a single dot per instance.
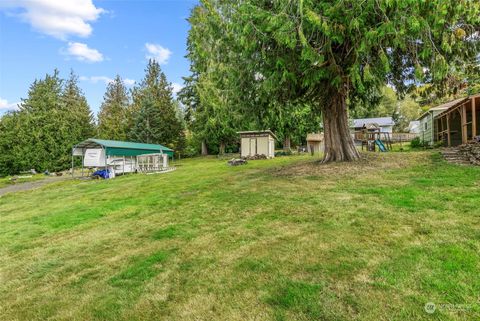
282 239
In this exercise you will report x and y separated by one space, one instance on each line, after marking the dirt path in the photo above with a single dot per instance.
30 185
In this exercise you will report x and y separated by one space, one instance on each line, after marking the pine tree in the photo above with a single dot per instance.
10 146
114 111
147 122
43 135
153 101
79 115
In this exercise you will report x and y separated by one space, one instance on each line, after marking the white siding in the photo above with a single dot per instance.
245 147
426 134
271 149
262 146
94 157
386 129
426 129
251 146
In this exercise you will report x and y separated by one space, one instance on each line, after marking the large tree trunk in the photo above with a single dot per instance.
339 145
221 149
204 148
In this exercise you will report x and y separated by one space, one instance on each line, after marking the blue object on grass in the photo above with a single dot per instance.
103 173
380 145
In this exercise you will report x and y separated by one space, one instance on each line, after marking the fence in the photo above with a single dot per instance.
402 137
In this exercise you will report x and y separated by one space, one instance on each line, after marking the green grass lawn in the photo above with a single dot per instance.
282 239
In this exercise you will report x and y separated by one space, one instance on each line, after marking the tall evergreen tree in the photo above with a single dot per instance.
153 100
10 143
44 132
217 106
148 123
113 118
79 117
53 118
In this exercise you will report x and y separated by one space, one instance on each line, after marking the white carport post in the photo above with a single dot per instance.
105 154
83 159
164 159
73 151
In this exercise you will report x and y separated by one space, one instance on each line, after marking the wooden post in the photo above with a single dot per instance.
449 142
464 124
474 118
440 128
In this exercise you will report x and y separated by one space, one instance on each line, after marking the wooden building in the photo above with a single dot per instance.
460 123
427 121
315 143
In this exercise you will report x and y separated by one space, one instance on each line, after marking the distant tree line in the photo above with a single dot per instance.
55 116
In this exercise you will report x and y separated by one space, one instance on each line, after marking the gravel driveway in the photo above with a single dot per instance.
31 185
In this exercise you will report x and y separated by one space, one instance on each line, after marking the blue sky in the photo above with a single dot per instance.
97 39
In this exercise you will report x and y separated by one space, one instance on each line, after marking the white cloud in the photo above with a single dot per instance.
176 87
96 79
83 53
106 80
128 82
5 105
157 52
57 18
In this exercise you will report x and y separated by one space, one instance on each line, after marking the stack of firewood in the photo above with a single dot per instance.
471 151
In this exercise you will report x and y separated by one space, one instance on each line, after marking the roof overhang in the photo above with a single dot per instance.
119 148
257 133
456 105
377 121
314 137
443 107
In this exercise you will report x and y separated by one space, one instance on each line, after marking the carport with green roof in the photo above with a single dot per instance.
114 148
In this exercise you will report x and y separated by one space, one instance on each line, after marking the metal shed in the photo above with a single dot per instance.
118 156
257 142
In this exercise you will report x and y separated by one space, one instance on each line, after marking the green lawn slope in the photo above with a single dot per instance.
282 239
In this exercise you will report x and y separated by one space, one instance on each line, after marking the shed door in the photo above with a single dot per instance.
271 148
253 146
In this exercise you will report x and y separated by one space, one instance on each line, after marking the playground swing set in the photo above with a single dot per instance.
371 137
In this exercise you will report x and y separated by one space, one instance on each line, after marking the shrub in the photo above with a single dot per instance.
416 143
283 153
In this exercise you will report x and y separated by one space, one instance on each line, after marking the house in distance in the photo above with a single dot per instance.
383 124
